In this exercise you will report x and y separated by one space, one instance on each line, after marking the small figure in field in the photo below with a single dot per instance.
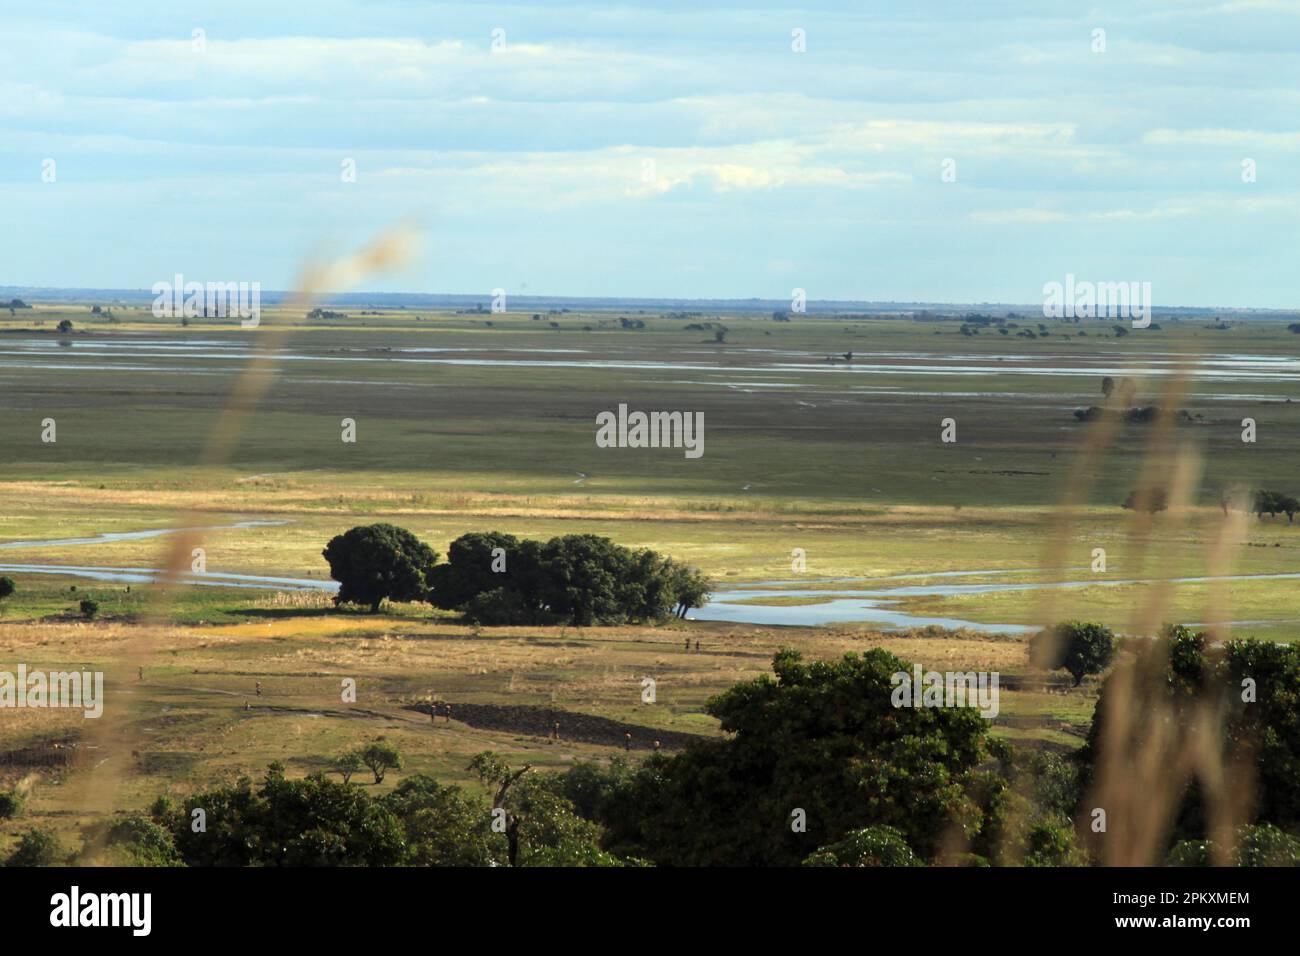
556 733
697 646
246 707
433 713
688 645
627 740
259 688
141 677
449 713
656 745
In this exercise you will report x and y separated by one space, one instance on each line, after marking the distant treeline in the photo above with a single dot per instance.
1262 502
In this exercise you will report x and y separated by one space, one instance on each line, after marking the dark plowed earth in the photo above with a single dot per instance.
54 753
541 721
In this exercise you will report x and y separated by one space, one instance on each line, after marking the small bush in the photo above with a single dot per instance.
1262 845
347 764
380 758
1080 647
144 842
1149 500
37 847
11 804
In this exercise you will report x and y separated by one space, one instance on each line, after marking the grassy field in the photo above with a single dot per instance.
465 426
193 716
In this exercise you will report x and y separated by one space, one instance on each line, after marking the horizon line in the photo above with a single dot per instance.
432 299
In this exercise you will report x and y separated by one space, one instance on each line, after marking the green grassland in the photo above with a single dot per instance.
840 459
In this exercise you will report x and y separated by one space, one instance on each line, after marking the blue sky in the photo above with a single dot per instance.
667 149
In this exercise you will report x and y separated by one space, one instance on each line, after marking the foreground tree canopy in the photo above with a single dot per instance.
822 738
316 822
819 768
1257 684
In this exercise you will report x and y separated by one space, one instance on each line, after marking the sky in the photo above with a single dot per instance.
937 151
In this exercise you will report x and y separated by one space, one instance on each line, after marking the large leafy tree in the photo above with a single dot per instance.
494 587
690 588
663 586
470 568
378 561
822 737
381 757
589 580
1080 647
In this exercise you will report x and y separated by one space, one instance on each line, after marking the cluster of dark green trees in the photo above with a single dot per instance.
1150 499
1274 503
818 768
318 822
496 578
1262 502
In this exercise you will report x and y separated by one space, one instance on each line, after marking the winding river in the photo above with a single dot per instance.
877 605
